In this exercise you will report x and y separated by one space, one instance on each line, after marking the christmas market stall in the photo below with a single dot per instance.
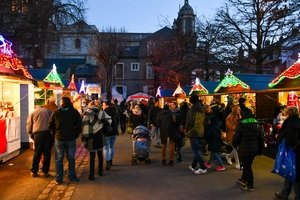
232 87
16 101
50 86
201 91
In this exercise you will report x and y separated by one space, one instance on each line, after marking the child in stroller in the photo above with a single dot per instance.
141 141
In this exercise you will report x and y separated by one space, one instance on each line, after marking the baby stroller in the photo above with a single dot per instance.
141 145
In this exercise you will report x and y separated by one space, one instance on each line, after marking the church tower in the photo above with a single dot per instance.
185 22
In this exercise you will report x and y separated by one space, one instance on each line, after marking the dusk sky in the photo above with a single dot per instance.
143 16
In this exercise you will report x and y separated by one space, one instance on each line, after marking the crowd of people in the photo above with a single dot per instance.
203 125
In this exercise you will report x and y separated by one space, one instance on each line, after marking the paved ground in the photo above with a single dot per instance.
141 181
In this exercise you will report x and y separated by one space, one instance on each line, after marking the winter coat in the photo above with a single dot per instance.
232 121
153 111
290 131
136 119
114 117
248 137
65 124
214 134
92 124
190 119
166 125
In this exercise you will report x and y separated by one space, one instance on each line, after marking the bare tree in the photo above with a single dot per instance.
108 47
27 22
251 24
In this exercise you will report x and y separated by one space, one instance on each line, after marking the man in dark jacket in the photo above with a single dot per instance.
290 131
248 139
65 125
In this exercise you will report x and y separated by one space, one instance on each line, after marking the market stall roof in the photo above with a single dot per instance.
231 83
288 78
9 63
53 77
198 88
179 92
72 84
139 95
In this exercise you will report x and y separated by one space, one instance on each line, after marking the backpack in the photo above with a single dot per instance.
199 123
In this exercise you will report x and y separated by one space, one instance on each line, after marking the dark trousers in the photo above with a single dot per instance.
92 162
247 174
43 142
196 148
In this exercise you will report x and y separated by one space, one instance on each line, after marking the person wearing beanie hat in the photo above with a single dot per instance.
248 139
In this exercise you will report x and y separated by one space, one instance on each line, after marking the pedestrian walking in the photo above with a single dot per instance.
248 139
92 136
290 131
65 125
194 130
167 133
214 140
110 135
232 121
37 128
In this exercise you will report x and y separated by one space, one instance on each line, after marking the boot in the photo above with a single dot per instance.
91 176
108 166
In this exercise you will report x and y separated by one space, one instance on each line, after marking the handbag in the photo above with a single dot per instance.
285 162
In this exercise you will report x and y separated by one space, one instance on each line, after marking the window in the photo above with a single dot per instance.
135 66
149 71
77 43
120 89
119 70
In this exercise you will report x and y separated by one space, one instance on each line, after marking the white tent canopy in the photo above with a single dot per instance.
138 96
115 95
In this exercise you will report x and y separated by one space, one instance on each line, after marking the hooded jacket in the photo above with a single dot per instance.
248 137
190 119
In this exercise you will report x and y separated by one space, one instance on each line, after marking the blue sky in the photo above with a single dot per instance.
143 16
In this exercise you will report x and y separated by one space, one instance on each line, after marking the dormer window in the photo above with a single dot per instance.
77 43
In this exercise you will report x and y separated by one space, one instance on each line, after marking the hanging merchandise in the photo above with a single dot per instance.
292 99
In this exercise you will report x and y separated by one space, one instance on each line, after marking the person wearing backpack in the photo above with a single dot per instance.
92 136
194 128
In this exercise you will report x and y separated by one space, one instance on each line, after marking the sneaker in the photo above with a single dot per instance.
200 171
57 182
157 146
238 167
207 165
34 174
247 188
228 158
220 168
179 161
191 168
242 182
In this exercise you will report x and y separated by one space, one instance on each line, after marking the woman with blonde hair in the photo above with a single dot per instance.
232 121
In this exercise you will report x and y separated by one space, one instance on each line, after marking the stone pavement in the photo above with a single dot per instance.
143 181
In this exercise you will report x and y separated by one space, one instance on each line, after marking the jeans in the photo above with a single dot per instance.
42 146
179 145
62 147
196 148
287 188
155 134
215 156
109 148
247 174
